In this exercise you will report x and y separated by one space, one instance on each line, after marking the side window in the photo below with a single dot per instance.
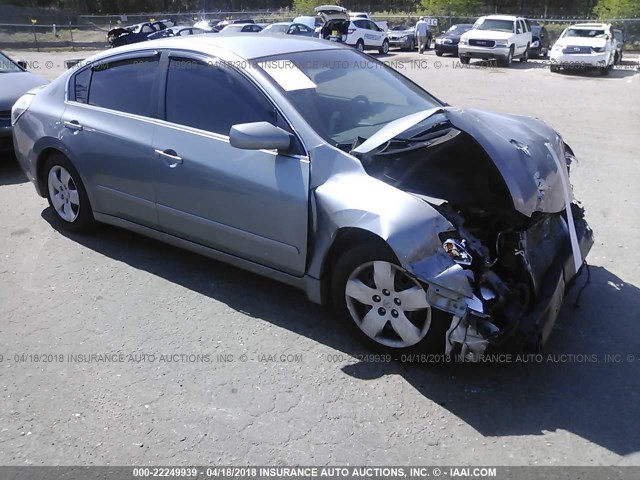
81 86
373 26
360 24
518 26
125 86
212 98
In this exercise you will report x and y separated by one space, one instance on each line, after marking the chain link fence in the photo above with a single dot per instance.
90 31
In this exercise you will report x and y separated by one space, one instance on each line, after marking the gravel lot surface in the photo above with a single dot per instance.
284 383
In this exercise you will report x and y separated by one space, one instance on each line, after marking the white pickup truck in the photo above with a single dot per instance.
500 37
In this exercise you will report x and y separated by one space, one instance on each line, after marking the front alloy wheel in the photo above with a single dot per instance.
385 48
385 306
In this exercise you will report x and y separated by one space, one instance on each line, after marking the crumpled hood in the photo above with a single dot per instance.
15 84
521 148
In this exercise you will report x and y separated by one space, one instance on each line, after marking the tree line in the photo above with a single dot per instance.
547 8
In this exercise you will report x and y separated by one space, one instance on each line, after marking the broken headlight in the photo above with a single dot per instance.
457 250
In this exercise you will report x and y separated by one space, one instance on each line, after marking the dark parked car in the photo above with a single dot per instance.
620 39
15 81
176 32
539 41
285 158
289 28
403 36
136 33
448 41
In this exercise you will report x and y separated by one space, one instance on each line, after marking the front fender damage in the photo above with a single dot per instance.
352 200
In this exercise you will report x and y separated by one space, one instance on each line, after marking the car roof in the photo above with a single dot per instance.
232 45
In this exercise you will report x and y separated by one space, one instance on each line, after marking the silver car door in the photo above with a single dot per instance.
248 203
108 120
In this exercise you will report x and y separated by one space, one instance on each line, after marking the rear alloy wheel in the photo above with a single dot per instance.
385 306
360 46
385 48
67 196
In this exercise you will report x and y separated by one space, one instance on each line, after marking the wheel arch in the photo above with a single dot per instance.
345 239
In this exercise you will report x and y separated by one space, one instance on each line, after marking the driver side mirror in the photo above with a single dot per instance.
22 64
259 136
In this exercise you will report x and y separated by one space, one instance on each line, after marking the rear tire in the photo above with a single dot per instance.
383 306
67 196
438 53
360 46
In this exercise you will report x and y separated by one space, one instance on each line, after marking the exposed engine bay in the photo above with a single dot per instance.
515 262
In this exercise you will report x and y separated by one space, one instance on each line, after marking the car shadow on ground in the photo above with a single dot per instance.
10 171
583 392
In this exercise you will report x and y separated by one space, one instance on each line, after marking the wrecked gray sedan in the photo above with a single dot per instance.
428 228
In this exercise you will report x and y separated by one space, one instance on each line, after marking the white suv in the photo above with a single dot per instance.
360 33
500 37
585 45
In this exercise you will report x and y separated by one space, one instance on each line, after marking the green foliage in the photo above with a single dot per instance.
305 7
617 9
451 7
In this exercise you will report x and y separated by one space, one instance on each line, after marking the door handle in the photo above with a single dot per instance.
73 125
170 155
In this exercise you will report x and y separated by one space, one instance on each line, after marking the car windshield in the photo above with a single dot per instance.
7 65
343 94
458 28
585 33
497 25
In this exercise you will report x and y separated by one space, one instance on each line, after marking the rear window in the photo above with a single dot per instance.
125 86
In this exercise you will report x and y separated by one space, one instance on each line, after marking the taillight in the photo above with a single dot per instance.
20 107
351 30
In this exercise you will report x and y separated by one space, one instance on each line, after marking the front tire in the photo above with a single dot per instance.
385 48
525 56
384 306
464 60
67 196
506 62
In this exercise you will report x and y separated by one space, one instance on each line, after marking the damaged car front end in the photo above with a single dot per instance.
517 238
